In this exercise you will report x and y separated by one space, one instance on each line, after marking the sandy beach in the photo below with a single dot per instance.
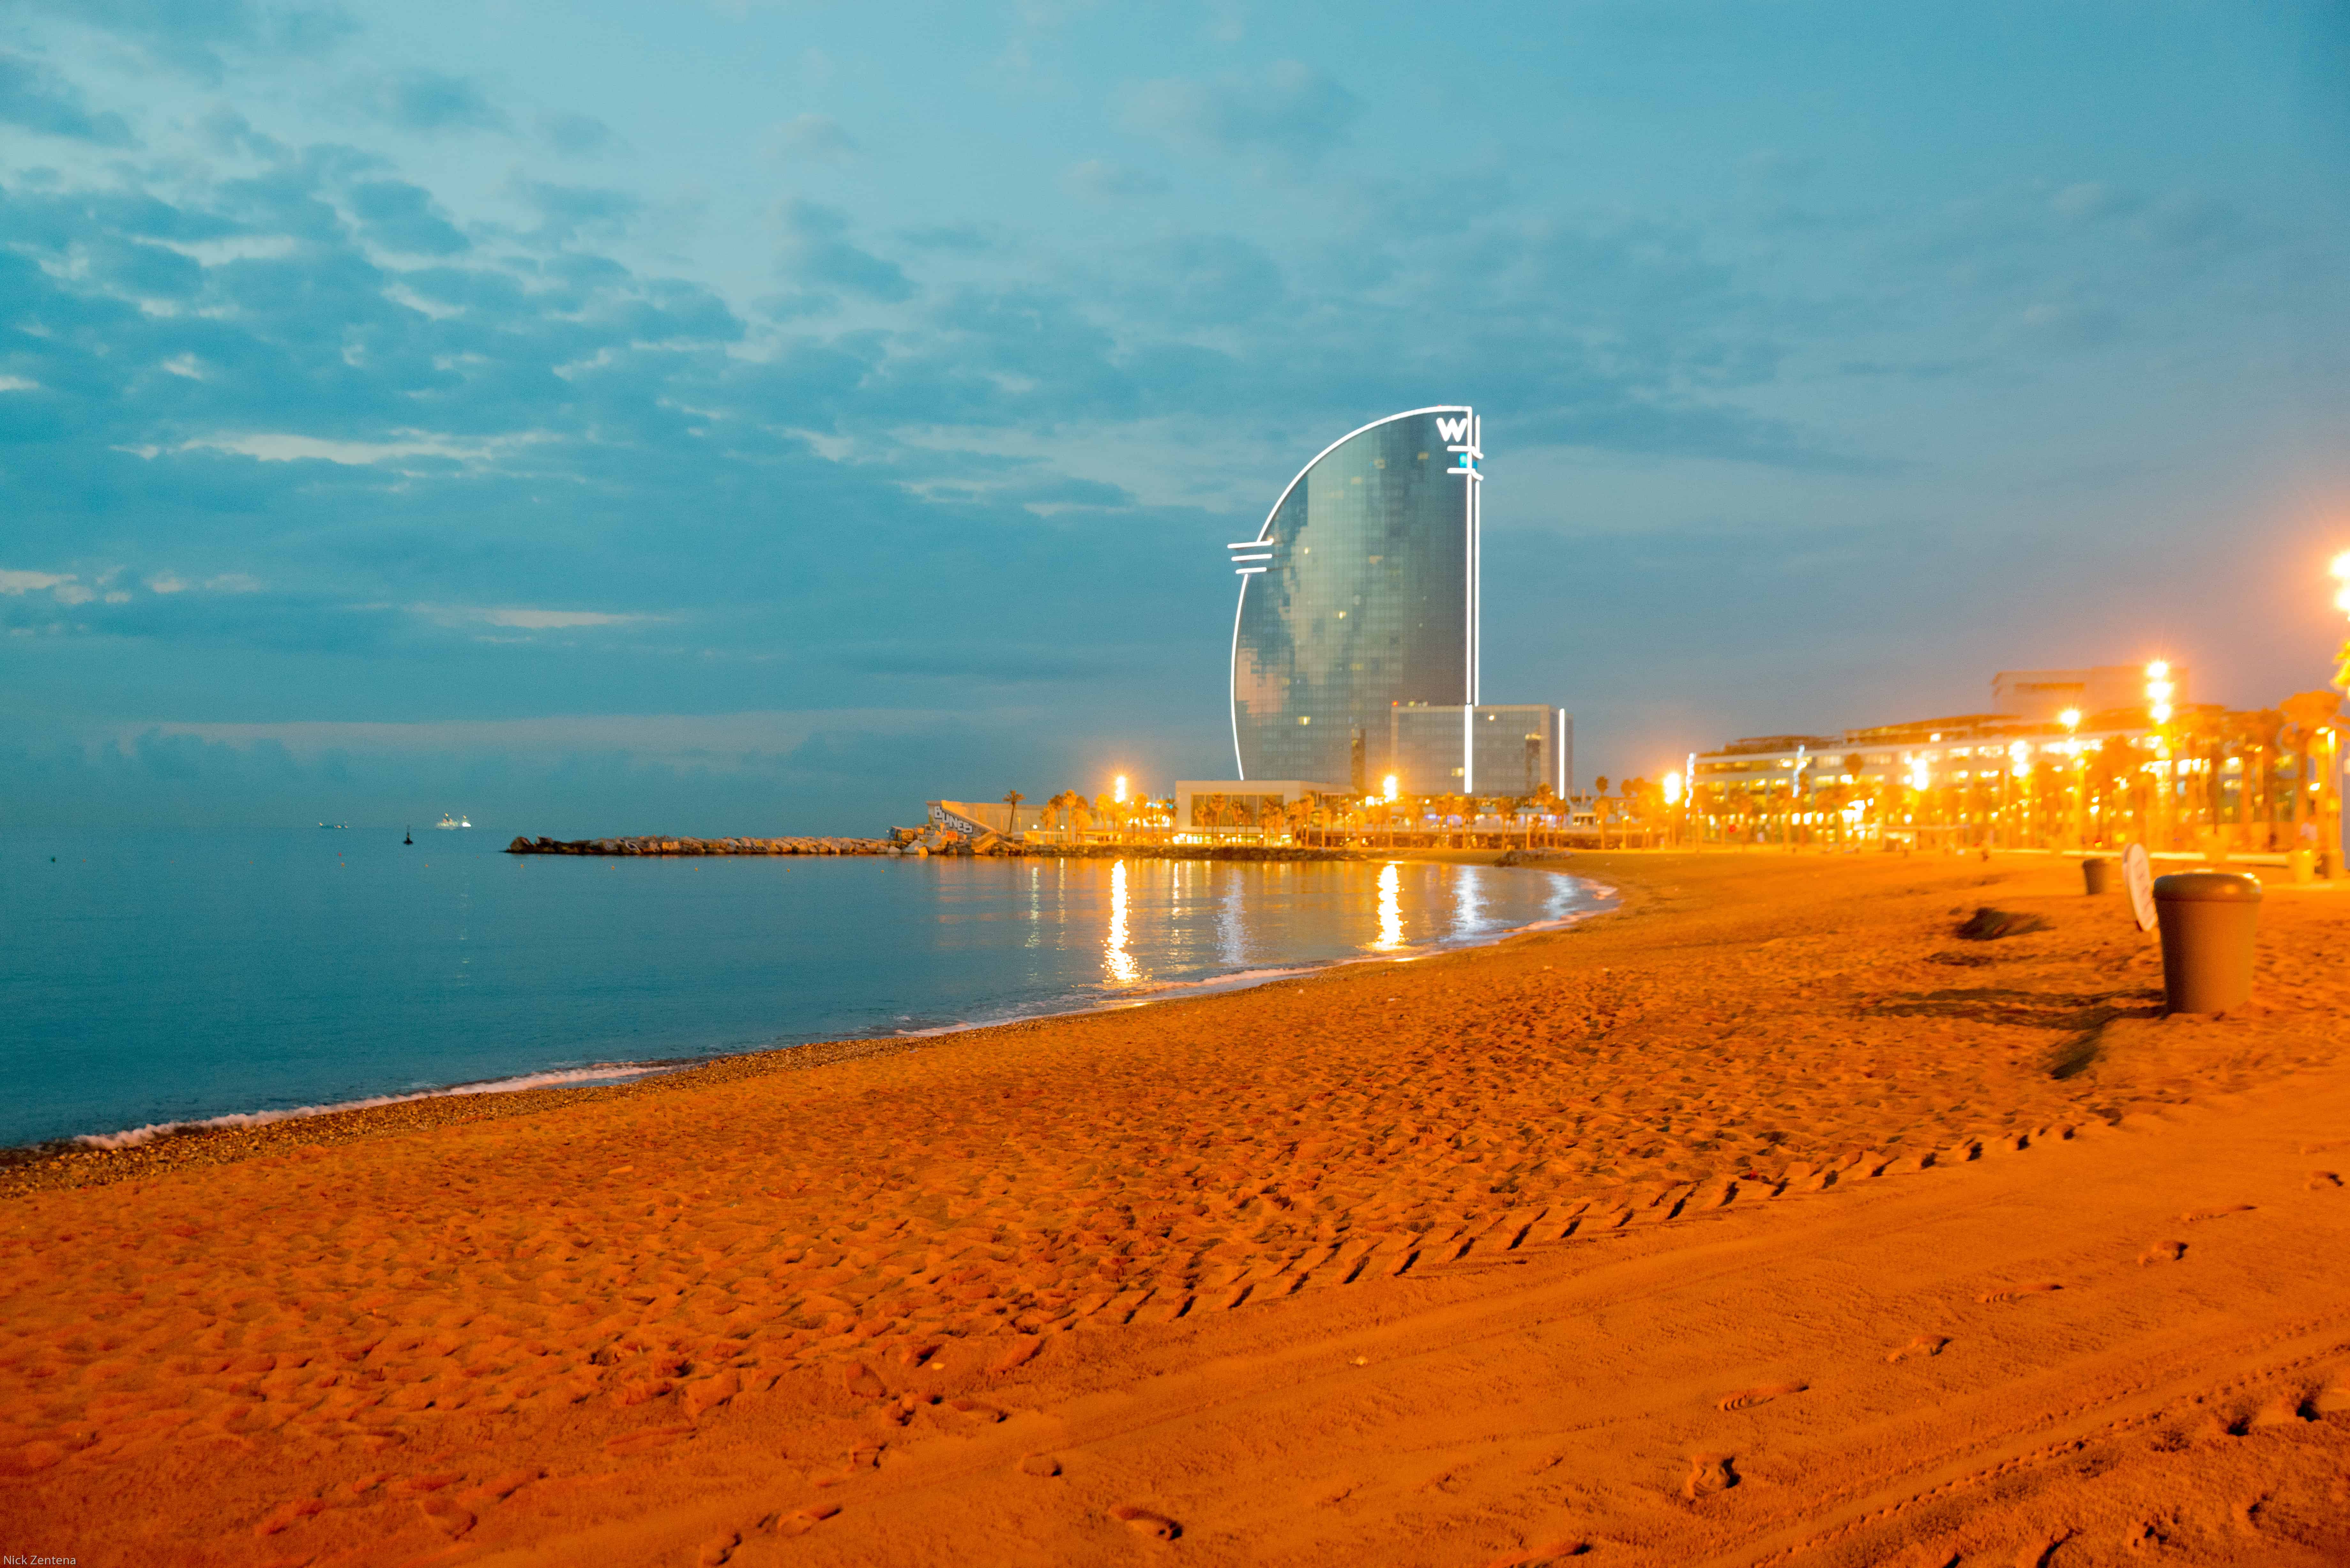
1764 1220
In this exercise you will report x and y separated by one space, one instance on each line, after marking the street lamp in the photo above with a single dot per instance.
2341 570
1795 793
2019 773
2071 719
2157 708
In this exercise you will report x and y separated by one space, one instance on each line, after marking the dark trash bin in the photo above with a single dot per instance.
2208 920
2097 875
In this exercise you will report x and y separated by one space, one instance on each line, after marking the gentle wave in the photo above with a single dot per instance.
1242 979
1142 995
611 1072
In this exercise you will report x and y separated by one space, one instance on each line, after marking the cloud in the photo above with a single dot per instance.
63 587
555 620
2068 325
567 212
189 34
576 135
35 98
225 131
400 217
1208 279
814 251
815 136
969 239
430 100
2090 200
1288 116
993 660
1103 180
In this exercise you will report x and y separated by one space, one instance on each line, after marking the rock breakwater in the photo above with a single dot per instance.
908 843
702 847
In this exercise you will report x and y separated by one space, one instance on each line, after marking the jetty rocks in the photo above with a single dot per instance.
909 843
703 847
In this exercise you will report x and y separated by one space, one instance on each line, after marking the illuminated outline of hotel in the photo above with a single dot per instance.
1356 637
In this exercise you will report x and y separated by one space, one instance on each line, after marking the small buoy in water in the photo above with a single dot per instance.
406 837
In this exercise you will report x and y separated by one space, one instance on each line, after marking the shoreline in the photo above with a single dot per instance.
1484 1258
82 1157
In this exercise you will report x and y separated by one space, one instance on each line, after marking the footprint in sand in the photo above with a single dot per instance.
1924 1344
1747 1397
450 1519
1018 1354
806 1519
2040 1553
2162 1253
1541 1556
2017 1293
1157 1526
1709 1473
1040 1465
2216 1213
718 1548
2324 1180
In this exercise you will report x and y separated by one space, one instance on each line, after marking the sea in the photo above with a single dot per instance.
156 979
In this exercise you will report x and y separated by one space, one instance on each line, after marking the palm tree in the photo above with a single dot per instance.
2259 731
2309 714
1012 799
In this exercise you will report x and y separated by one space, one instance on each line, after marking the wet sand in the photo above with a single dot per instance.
1764 1220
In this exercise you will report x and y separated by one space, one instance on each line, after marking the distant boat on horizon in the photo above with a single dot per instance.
449 821
334 825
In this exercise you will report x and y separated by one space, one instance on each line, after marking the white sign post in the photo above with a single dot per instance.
2137 875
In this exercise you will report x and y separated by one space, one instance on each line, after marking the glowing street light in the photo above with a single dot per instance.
1389 787
2341 571
2071 719
2159 690
1672 789
1117 790
2157 708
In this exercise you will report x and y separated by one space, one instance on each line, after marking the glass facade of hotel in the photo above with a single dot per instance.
1358 593
1499 749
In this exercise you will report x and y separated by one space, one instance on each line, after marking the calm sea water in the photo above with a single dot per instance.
156 978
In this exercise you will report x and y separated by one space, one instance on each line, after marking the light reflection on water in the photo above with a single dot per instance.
1390 910
277 968
1468 906
1116 959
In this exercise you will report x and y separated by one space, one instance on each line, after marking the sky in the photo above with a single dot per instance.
763 417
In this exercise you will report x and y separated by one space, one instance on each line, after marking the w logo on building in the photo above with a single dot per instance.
1452 429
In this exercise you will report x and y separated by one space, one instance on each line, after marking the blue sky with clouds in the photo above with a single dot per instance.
752 416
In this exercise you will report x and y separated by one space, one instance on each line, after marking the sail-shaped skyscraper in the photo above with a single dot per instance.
1357 623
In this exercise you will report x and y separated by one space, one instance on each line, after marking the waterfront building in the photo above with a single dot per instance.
1358 601
1505 748
2198 778
987 815
2040 695
1359 591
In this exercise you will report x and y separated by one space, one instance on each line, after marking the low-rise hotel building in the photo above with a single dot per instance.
2039 777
